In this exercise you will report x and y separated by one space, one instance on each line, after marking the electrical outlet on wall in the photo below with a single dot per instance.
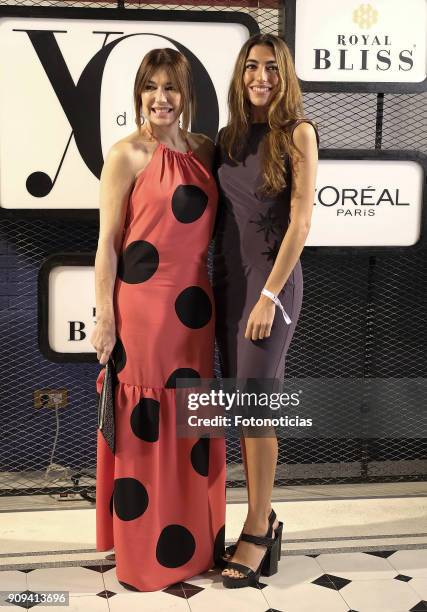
50 398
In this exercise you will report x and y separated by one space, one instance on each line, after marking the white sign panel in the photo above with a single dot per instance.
67 96
352 41
367 203
72 313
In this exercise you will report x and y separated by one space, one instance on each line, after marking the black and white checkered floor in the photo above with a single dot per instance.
380 581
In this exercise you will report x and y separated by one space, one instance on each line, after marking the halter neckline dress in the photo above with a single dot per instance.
160 499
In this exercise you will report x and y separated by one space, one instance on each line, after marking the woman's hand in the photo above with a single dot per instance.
261 319
103 339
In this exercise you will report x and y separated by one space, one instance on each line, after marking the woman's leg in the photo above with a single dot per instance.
245 463
260 459
263 360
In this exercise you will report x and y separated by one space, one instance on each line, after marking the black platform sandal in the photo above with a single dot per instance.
230 550
267 567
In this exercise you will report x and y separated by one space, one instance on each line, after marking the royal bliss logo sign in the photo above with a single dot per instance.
383 41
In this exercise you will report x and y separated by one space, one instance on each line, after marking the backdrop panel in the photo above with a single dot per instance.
363 316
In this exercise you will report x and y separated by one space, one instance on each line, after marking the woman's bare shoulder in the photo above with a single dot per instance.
203 147
132 152
200 141
133 143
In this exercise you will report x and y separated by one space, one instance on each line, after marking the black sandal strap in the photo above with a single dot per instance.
230 550
243 569
260 540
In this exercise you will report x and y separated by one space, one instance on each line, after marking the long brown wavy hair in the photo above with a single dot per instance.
178 68
284 109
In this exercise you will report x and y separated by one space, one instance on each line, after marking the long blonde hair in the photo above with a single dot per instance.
284 109
178 68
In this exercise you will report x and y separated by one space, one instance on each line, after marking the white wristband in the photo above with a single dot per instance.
278 303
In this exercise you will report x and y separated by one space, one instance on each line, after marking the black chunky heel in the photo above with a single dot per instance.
270 563
276 552
279 532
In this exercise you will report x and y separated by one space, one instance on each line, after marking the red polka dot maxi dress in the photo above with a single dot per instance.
160 499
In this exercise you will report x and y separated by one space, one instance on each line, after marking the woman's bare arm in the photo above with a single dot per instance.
304 170
116 182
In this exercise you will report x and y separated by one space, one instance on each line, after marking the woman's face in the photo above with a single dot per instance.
160 99
261 76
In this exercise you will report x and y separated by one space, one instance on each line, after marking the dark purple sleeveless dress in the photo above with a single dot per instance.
250 229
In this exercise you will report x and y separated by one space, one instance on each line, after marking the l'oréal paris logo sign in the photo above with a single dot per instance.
351 41
67 93
367 202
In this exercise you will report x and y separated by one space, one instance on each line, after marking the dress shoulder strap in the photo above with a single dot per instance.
313 123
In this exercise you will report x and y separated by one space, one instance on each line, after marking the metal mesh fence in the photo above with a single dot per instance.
363 317
34 439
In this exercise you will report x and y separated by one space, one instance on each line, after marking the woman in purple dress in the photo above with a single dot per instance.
266 170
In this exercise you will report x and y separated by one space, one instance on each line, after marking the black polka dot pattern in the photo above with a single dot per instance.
175 546
193 307
200 456
130 498
144 419
138 262
165 332
180 373
189 203
119 356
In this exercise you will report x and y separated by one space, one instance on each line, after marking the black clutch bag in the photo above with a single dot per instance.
106 407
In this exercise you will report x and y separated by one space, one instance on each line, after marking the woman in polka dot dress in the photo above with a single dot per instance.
160 499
